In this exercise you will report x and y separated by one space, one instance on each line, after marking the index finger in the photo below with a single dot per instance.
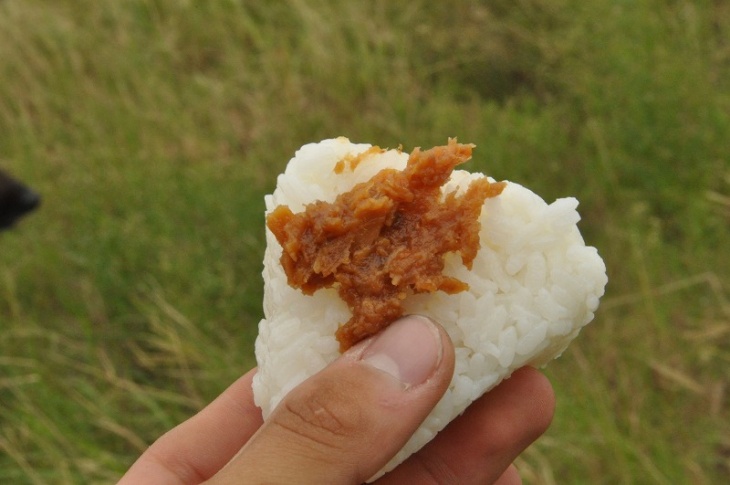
479 445
195 450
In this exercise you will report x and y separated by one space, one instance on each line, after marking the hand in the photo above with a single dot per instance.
343 424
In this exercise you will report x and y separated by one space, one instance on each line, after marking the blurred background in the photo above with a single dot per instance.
153 129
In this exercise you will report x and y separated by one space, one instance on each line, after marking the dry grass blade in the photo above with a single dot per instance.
707 278
678 378
709 332
18 381
124 432
18 457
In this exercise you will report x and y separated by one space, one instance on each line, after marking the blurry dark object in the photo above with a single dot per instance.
15 200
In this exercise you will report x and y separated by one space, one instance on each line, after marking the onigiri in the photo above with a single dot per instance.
531 287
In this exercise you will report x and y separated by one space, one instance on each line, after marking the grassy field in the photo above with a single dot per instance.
153 128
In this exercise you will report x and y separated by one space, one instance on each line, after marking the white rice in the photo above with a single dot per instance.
534 284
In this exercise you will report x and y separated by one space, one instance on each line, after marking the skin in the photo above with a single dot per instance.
343 424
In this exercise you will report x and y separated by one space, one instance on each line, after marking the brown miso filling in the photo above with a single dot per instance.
385 239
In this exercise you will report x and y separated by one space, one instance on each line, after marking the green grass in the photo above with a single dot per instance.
153 128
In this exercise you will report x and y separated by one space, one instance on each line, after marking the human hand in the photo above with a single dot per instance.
345 423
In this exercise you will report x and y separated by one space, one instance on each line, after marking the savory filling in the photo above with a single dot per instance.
385 239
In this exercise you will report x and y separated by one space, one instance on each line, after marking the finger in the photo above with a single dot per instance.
196 449
510 477
480 445
343 424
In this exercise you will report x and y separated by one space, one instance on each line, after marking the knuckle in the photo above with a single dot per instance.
323 414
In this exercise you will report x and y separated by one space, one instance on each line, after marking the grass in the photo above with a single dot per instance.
153 128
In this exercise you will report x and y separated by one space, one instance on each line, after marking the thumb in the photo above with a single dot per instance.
345 423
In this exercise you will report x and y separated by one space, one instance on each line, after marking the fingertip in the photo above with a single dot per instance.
542 399
510 477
